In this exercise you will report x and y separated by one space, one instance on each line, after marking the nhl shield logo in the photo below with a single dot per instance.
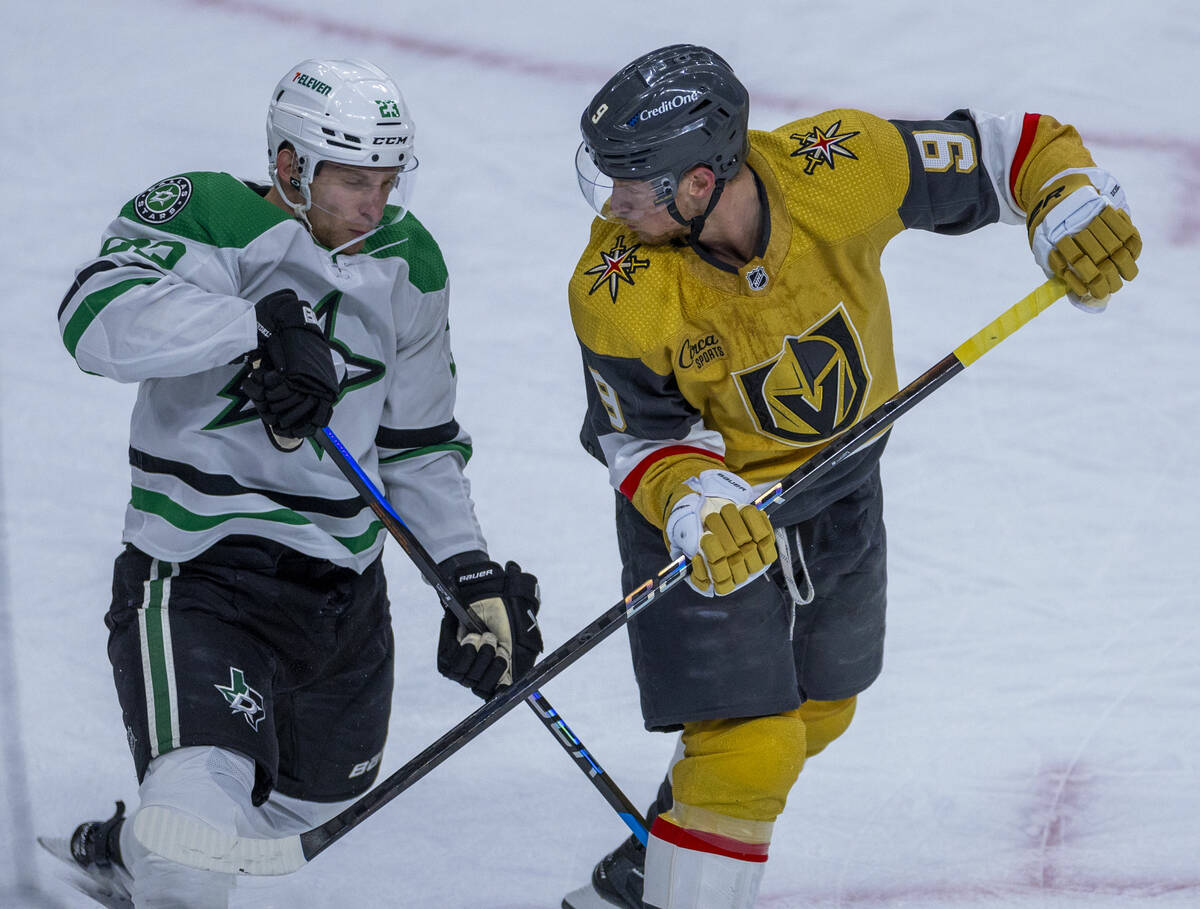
814 388
757 278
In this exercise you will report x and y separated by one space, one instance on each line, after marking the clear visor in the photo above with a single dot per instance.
620 200
359 198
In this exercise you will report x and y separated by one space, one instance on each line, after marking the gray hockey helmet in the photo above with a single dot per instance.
666 112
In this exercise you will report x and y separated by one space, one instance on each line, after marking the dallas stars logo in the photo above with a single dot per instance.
164 200
243 699
360 371
823 146
617 265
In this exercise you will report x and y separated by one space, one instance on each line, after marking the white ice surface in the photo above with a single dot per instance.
1034 739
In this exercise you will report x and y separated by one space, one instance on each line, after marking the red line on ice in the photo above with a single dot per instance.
1185 230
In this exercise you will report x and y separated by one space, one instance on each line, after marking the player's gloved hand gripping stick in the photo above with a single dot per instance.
712 519
176 840
291 381
458 614
470 621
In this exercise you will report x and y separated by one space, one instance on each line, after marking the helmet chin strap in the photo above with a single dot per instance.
299 209
696 224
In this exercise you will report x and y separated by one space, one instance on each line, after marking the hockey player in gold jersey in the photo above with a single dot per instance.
733 319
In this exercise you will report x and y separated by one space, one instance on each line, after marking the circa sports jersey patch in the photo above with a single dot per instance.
814 388
699 351
617 265
823 146
164 200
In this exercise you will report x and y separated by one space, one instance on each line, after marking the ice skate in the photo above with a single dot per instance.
616 880
93 851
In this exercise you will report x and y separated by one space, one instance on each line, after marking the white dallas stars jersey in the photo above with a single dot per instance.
169 303
691 364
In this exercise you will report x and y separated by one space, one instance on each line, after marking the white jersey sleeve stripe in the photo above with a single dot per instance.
628 457
999 140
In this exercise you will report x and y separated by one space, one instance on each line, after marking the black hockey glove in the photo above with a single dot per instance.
292 381
507 602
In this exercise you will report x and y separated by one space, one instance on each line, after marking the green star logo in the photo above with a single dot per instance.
360 372
243 699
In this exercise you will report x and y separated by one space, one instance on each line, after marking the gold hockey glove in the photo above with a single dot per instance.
711 520
1085 236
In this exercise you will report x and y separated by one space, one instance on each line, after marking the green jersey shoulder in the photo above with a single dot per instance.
407 238
213 208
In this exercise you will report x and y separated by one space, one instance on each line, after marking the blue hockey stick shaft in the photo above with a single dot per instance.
408 541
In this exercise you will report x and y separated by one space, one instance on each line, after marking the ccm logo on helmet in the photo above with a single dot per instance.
389 140
670 104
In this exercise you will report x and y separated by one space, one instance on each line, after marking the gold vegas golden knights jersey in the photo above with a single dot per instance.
691 364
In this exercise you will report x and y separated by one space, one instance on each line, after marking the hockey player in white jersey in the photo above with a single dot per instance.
250 635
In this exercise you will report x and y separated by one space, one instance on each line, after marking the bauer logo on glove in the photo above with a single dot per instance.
1080 231
292 381
505 602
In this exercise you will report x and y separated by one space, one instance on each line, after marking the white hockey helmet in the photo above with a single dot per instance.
347 111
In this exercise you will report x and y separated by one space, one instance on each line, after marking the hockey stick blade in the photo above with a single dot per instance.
191 843
183 839
246 855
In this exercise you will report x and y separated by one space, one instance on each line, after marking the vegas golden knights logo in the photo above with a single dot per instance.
814 388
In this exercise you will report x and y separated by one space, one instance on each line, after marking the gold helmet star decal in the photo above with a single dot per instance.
823 146
618 264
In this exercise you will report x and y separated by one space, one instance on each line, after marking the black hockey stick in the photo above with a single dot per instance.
173 836
424 561
420 556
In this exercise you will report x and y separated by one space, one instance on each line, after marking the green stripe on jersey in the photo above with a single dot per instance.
92 305
158 663
171 511
160 505
364 540
464 450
